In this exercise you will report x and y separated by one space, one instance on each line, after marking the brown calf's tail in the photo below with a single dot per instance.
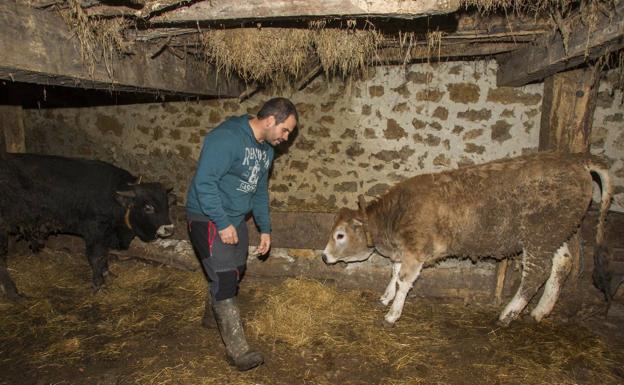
602 274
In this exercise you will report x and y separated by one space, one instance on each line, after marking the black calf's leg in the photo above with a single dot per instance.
6 283
97 255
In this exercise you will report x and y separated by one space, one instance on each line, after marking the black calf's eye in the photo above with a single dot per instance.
339 236
148 209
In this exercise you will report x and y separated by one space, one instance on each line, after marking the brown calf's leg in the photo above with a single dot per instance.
561 266
536 265
390 292
409 272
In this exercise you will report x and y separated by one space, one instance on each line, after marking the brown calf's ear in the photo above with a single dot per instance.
125 197
361 202
344 212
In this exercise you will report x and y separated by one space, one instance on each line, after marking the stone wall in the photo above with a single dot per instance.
360 137
353 138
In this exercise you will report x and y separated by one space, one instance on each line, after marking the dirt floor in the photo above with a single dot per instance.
144 328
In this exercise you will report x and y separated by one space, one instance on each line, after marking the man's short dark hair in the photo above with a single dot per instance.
280 108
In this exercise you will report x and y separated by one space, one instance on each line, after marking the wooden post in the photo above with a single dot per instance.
12 123
501 273
568 110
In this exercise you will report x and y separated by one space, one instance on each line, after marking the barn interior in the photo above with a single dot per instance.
385 89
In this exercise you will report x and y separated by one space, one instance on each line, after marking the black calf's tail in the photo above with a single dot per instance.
602 273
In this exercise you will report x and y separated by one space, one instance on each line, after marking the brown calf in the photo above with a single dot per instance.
531 205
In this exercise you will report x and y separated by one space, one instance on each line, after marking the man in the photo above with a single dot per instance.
231 180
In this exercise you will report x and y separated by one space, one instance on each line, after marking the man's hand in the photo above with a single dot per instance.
229 235
265 244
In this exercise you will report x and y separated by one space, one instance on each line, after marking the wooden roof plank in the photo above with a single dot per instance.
547 55
275 9
37 47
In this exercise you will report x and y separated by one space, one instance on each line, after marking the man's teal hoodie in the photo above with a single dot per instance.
231 177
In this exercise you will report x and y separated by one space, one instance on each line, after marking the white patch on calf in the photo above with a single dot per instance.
399 299
513 308
391 289
561 266
516 305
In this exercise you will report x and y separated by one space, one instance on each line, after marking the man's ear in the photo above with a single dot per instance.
270 121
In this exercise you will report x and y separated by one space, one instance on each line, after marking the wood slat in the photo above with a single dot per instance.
276 9
37 47
12 123
548 55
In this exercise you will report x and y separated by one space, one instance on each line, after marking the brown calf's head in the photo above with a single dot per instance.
347 242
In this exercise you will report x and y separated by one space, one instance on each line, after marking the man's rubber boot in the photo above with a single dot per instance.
208 320
231 329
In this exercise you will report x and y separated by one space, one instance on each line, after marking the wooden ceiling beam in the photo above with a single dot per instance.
37 47
548 55
420 52
277 9
466 26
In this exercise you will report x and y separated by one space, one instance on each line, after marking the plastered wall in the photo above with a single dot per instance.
353 138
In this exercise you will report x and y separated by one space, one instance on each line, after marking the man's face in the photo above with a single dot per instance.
278 133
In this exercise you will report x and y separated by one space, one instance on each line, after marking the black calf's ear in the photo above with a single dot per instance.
125 197
136 181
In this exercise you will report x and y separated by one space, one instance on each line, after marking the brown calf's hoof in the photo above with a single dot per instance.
387 324
381 304
502 323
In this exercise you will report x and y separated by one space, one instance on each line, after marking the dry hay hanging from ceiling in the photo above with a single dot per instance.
282 55
345 51
100 40
257 55
555 10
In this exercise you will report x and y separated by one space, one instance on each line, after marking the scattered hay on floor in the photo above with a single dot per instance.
145 329
300 311
77 322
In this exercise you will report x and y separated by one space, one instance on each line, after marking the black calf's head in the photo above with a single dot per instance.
147 210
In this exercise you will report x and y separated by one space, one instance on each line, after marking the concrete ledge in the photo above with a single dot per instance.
452 278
